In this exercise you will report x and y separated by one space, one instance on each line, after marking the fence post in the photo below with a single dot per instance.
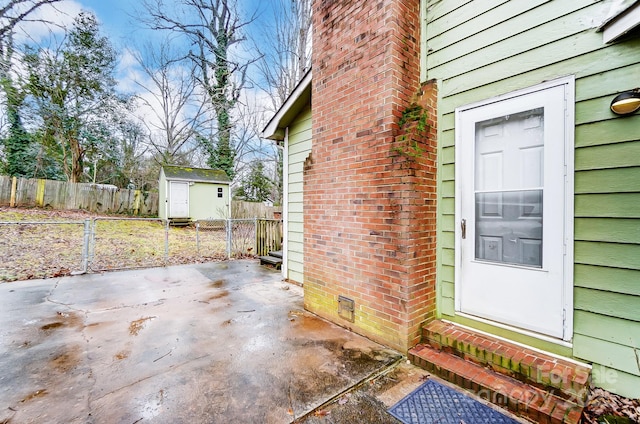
198 237
14 186
229 225
258 233
166 241
255 231
40 192
85 246
92 240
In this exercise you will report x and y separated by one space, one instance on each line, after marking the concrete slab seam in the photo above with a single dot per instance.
383 371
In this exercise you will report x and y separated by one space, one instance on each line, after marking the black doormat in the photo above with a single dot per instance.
434 403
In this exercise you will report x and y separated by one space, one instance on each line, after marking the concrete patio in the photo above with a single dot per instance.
218 342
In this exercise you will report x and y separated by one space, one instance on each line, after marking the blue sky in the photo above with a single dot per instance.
117 22
113 14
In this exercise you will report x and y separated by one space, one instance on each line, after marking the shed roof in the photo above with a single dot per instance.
173 172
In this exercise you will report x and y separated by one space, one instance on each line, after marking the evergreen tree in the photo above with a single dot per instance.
73 90
17 143
256 186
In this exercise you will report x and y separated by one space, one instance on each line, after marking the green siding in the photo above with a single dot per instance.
612 279
299 148
614 205
486 48
608 132
607 229
607 303
611 329
611 355
610 155
617 180
204 202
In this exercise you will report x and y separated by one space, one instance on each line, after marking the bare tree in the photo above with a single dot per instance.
16 11
214 29
177 114
11 15
286 58
286 50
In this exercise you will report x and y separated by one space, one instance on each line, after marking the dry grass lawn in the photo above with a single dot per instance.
38 243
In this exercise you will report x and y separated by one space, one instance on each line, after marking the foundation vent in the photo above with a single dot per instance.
346 308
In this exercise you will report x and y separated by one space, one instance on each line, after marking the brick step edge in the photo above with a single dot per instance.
521 399
564 378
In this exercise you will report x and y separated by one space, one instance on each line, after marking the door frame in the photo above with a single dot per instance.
170 198
569 133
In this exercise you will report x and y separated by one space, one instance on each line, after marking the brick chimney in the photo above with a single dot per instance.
370 182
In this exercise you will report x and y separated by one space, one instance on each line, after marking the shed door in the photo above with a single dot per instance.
178 199
511 216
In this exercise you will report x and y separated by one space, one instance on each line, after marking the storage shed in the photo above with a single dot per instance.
193 193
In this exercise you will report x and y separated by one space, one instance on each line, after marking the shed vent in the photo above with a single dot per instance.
346 308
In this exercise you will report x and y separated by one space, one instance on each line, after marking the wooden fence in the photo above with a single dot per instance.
98 198
241 210
268 236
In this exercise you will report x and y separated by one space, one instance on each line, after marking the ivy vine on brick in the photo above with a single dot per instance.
413 127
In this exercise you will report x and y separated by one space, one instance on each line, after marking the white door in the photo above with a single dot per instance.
511 211
178 199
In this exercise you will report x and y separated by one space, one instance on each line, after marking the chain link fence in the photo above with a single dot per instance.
235 237
40 249
50 249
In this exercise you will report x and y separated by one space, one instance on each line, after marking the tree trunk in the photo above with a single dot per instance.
76 160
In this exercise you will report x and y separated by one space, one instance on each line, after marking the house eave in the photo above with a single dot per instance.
623 18
297 100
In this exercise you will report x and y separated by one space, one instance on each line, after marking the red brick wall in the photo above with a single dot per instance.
370 196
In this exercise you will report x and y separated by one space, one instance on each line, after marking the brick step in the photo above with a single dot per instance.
526 401
563 378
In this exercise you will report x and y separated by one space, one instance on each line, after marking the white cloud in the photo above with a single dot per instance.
128 72
47 20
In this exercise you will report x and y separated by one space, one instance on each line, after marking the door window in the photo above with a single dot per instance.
509 180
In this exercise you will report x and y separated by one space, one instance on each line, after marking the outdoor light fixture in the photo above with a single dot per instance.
626 103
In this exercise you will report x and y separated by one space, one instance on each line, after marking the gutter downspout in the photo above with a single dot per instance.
285 205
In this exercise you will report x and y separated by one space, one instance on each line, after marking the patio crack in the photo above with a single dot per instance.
171 368
92 376
66 305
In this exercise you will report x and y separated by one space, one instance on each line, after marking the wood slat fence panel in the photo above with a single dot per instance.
62 195
268 236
